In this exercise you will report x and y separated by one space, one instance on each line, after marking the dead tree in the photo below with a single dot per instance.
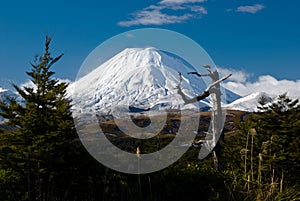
216 126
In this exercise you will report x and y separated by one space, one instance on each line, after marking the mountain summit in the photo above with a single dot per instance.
136 77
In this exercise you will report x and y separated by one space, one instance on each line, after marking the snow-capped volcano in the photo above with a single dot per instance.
139 77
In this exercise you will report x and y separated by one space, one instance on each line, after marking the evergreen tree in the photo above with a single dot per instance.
264 157
278 125
35 153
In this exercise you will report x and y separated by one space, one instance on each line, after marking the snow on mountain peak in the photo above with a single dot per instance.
135 76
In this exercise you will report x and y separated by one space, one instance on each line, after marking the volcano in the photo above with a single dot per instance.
139 78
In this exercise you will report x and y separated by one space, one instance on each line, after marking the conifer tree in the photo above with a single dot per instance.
278 125
35 151
265 154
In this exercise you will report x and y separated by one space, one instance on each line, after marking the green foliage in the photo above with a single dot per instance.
36 152
264 157
278 126
42 159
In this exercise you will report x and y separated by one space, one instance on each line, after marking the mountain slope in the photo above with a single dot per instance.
248 103
140 77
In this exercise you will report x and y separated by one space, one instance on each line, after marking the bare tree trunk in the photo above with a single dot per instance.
216 126
216 113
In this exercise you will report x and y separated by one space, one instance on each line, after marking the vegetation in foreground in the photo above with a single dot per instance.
42 159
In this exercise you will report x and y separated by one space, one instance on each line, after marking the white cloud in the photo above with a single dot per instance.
158 14
237 75
30 84
199 9
2 90
250 9
154 17
64 80
240 84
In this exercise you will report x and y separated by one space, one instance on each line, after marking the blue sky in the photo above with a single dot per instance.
254 38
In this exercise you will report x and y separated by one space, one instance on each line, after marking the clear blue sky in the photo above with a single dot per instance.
260 36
